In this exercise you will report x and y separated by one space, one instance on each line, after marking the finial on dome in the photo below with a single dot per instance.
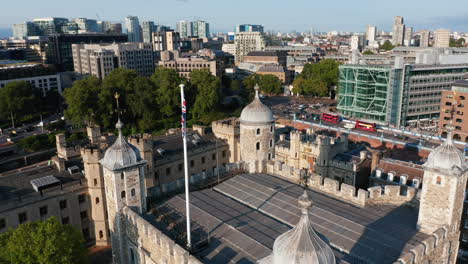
119 125
305 203
257 89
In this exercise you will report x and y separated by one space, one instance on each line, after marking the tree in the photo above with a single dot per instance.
37 142
326 70
387 46
457 43
18 99
43 242
299 85
167 83
83 102
270 84
248 89
119 81
141 102
313 87
368 52
207 89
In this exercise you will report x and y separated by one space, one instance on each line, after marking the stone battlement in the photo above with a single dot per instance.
341 165
226 126
158 247
91 154
391 194
426 249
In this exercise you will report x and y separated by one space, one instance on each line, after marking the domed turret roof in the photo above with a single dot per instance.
121 154
446 157
256 111
300 245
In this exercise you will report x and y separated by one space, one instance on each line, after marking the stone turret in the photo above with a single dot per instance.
257 133
124 178
443 192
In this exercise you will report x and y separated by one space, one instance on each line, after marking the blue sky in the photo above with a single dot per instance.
223 15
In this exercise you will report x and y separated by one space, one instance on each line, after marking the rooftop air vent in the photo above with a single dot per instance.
40 184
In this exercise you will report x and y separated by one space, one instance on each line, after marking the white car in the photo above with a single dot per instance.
348 126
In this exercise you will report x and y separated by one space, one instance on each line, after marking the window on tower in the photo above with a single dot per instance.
258 146
133 192
439 180
122 194
258 131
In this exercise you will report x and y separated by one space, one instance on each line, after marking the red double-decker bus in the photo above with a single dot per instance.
372 127
331 118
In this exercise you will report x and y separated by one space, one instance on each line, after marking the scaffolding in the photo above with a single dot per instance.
363 92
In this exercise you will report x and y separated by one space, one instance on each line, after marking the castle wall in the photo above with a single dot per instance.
149 245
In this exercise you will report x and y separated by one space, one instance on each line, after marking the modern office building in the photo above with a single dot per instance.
166 40
148 28
31 49
398 31
185 65
201 29
23 30
452 111
60 46
442 38
40 76
185 29
111 28
247 42
86 25
101 59
408 36
424 39
249 28
396 94
133 29
50 25
371 33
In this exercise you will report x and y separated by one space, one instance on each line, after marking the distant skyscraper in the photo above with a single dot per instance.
148 28
371 33
249 28
86 25
246 42
408 36
398 31
25 29
49 26
201 29
441 38
424 39
108 27
185 29
133 29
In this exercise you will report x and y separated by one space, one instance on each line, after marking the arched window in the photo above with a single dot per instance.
271 143
101 234
269 156
122 194
456 137
95 182
271 129
258 131
439 180
444 134
97 200
258 146
121 175
132 256
133 192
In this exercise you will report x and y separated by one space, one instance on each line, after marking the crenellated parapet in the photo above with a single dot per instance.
91 154
429 249
150 243
345 192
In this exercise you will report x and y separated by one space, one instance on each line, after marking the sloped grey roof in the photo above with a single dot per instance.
121 154
256 111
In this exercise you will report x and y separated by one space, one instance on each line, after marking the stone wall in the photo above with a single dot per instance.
151 246
376 195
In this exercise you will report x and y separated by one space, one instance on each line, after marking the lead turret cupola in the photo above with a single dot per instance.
256 111
301 245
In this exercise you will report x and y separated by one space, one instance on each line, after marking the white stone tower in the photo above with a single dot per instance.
124 178
443 194
257 134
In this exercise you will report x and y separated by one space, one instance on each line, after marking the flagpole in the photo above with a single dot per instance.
184 139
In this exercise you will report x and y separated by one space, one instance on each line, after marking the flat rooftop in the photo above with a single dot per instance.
244 215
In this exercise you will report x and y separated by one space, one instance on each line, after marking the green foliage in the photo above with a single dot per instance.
387 46
56 126
207 89
43 242
37 143
18 99
316 79
368 52
457 43
313 87
270 84
83 101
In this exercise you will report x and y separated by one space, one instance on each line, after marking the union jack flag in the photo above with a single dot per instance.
183 120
